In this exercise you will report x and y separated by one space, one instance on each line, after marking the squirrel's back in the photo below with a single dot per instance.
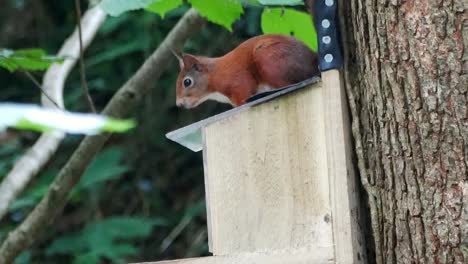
278 60
282 60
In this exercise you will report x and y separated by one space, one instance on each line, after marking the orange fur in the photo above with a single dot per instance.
271 60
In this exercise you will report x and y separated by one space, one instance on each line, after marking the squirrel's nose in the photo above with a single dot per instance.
179 102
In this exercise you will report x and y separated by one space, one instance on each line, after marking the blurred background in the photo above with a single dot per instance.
142 198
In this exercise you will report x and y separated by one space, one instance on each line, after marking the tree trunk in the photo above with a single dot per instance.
407 82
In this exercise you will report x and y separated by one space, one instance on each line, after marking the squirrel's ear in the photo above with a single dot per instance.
190 61
181 61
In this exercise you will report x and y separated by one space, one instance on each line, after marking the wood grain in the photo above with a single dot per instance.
349 245
266 174
298 257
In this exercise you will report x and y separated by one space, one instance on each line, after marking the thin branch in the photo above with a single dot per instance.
53 82
175 233
36 82
84 84
120 106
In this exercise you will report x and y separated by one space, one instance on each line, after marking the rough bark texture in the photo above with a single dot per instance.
407 82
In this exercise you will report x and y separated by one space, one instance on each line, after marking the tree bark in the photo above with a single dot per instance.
407 82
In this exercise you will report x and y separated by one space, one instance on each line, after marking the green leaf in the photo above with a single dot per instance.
67 244
222 12
122 227
196 209
89 258
24 258
22 203
25 124
117 125
35 193
109 238
290 22
281 2
106 166
117 7
26 59
32 117
113 24
123 249
161 7
111 54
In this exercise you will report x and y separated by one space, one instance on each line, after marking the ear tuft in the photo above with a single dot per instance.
181 62
190 61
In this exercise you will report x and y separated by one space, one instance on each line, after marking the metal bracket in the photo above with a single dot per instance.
326 25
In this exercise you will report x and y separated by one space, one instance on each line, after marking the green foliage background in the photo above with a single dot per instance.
142 198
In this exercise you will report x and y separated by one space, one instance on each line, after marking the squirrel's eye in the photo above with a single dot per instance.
187 82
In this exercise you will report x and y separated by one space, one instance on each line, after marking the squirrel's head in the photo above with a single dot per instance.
192 82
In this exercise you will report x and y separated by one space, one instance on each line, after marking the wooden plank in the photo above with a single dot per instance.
207 195
255 258
349 244
266 175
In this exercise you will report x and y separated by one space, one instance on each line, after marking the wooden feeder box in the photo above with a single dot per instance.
279 186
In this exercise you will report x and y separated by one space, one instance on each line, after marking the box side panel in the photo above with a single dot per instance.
267 177
349 243
207 191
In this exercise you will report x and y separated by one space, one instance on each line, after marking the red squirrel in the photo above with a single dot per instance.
259 64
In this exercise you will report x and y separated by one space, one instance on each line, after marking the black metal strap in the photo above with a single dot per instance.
326 25
289 88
